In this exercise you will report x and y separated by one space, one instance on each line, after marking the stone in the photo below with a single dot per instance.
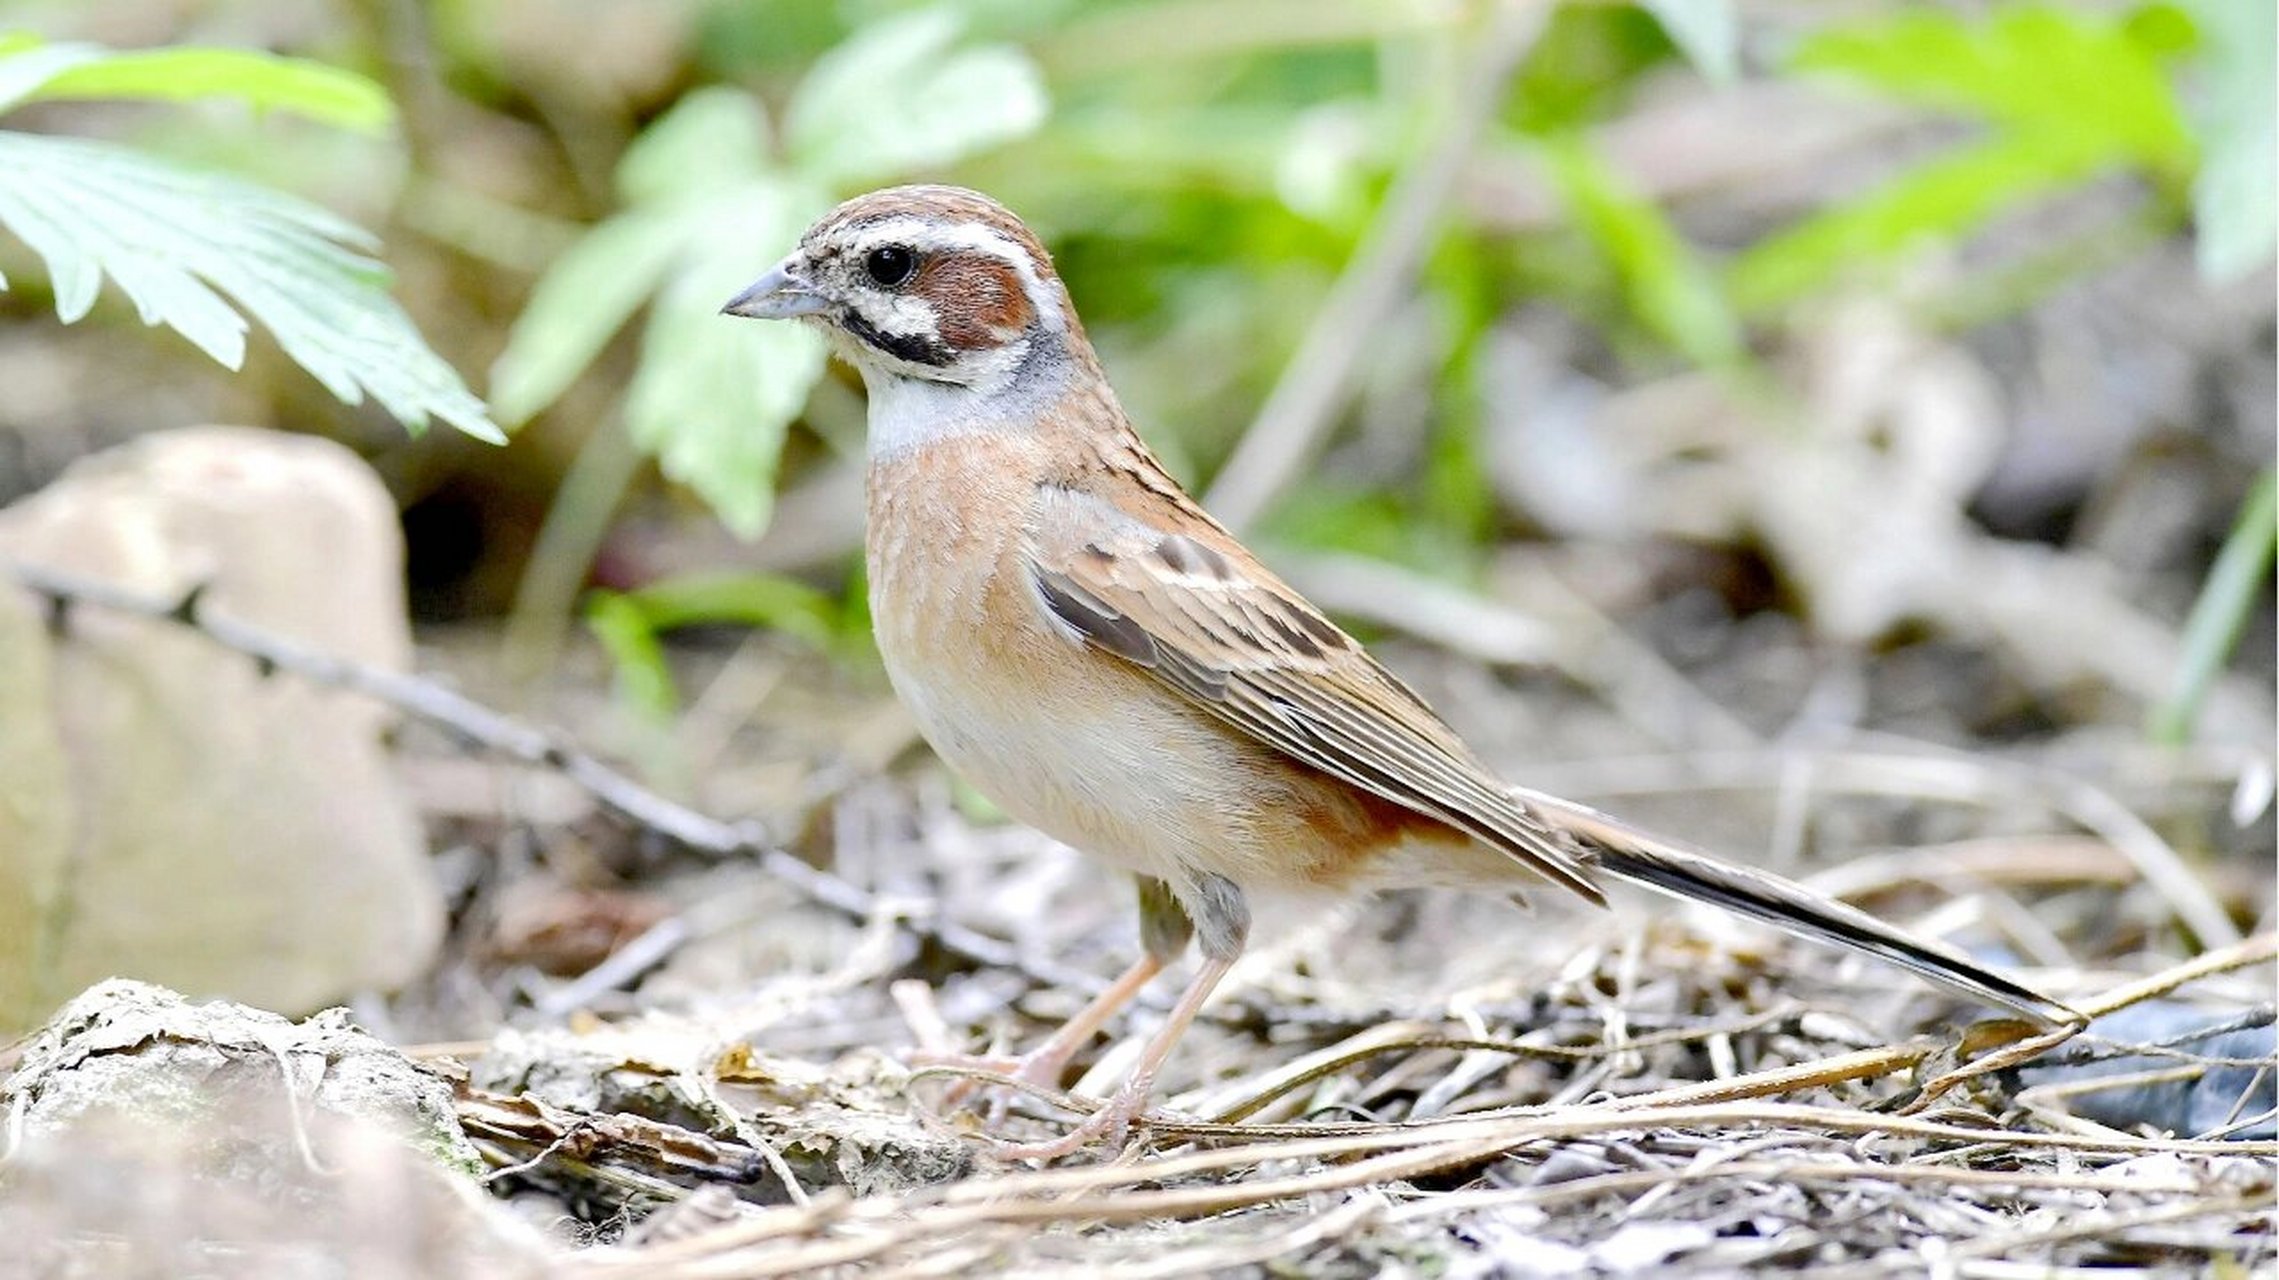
35 811
247 1144
168 811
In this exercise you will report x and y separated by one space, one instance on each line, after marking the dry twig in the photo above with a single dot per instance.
478 725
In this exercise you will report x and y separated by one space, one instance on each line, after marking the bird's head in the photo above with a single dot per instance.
937 284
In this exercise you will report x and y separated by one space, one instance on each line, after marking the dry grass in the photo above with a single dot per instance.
1810 1161
1424 1084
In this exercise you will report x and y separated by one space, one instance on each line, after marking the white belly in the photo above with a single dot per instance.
1117 781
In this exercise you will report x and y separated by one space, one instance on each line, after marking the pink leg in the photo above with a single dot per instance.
1043 1065
1113 1120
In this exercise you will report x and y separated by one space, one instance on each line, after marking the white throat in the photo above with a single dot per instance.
908 413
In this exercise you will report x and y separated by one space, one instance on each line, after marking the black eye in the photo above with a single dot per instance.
890 265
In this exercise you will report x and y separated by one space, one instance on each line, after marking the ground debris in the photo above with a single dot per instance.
147 1136
672 1099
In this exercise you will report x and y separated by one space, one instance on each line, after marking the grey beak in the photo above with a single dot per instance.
778 295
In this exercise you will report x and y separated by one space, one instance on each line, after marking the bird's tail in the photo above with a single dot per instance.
1625 852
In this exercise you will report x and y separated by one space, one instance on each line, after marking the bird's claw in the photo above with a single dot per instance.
1111 1126
1038 1069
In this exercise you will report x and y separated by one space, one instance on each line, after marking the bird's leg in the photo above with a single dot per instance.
1222 918
1164 930
1043 1065
1112 1122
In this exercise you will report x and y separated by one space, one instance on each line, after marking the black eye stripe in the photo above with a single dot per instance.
890 265
914 348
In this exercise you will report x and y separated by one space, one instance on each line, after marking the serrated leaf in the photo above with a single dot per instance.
265 81
585 297
712 398
1707 33
900 96
683 180
171 238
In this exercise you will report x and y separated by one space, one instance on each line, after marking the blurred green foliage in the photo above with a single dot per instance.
1242 159
631 625
2235 196
2063 96
1665 283
61 72
710 195
1205 172
2237 580
175 240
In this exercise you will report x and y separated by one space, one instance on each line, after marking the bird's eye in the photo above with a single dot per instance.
890 265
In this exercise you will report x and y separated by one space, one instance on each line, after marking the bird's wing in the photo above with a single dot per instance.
1200 615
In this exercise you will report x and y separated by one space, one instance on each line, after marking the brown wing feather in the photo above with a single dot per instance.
1341 713
1244 647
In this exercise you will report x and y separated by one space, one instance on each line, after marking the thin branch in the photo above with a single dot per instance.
477 725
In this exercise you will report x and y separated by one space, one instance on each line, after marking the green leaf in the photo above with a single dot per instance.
2084 78
898 96
1706 31
26 63
748 599
1371 523
713 396
2067 95
712 138
1586 64
1941 199
584 298
2240 575
2235 196
1668 286
643 679
708 211
171 238
685 178
630 624
264 81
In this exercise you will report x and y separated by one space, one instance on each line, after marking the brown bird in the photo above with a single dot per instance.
1096 654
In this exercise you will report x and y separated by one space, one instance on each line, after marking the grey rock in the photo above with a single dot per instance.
166 811
150 1136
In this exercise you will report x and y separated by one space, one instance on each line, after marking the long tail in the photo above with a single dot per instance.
1623 851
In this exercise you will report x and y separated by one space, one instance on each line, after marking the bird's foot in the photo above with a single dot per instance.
1110 1126
1039 1069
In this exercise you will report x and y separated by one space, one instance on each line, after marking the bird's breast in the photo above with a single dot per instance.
1055 735
1077 743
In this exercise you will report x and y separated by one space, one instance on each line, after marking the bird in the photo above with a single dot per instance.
1086 646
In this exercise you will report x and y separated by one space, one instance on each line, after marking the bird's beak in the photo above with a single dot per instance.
778 295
